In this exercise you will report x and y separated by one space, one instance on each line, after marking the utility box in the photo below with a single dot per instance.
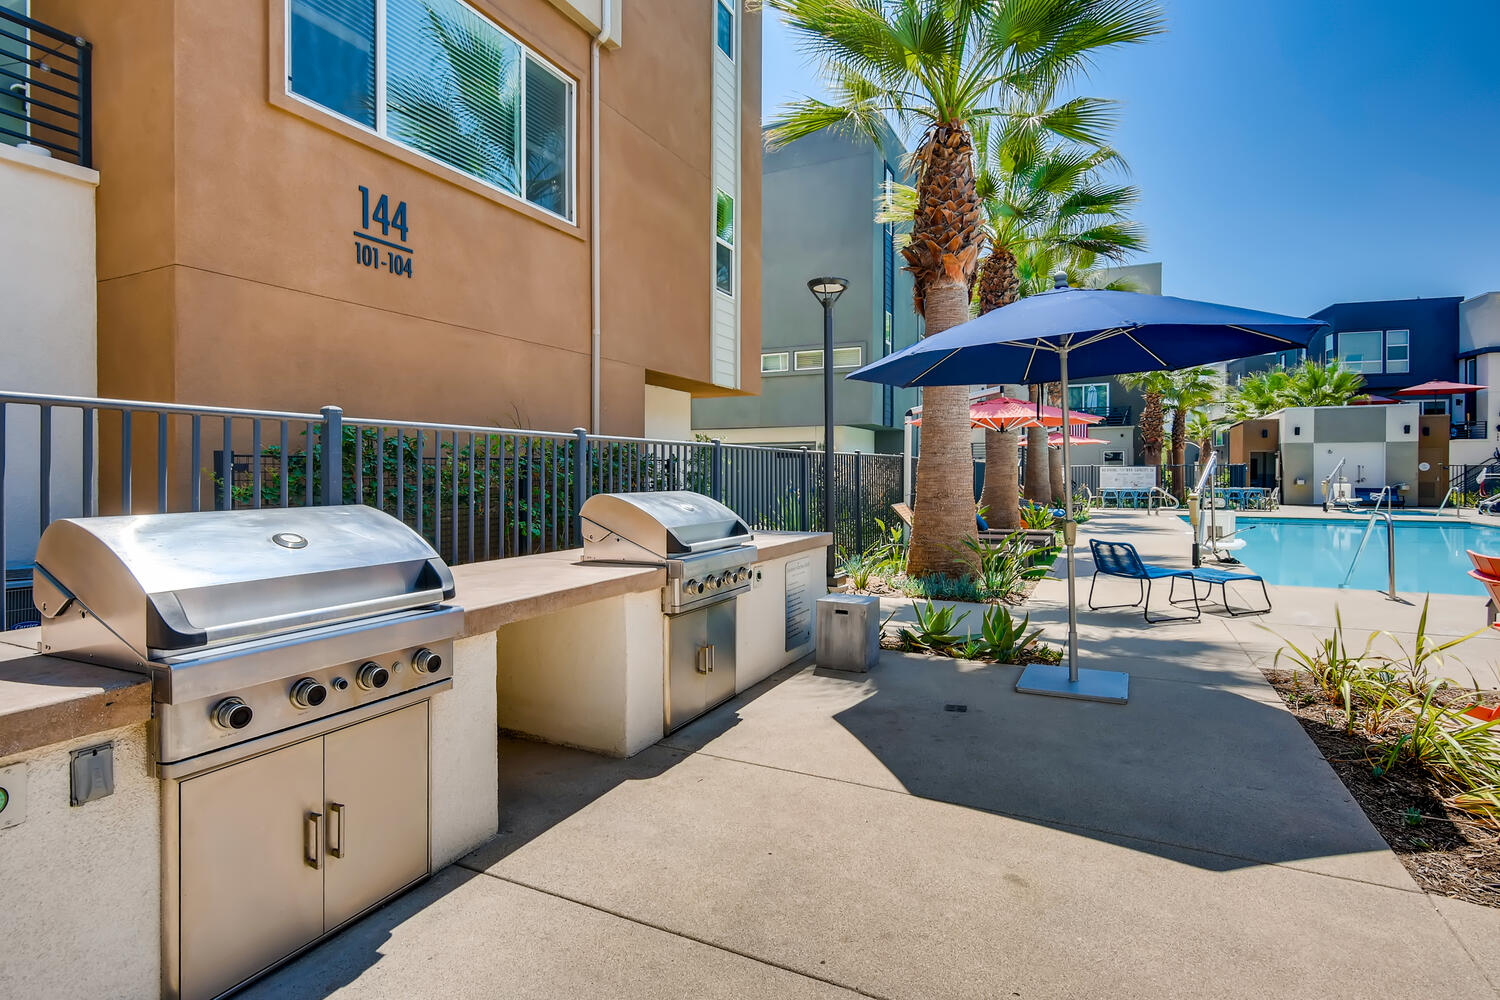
848 631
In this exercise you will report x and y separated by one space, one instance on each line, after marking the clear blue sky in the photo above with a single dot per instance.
1296 153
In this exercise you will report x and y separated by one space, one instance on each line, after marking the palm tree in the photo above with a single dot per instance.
1202 429
944 65
1257 394
1187 390
1153 385
1314 384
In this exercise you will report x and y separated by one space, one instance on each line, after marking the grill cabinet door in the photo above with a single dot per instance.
375 782
250 895
721 638
687 684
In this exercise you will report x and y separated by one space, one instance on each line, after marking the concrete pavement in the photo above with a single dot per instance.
830 834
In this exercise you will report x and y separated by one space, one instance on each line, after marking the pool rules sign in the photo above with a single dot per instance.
799 603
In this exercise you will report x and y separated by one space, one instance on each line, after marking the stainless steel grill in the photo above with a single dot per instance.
704 545
705 548
292 653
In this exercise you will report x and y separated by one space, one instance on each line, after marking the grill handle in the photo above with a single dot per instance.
312 840
168 627
339 811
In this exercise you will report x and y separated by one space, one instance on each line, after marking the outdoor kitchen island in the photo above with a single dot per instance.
560 650
581 647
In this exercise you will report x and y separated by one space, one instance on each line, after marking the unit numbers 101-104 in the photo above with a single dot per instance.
383 260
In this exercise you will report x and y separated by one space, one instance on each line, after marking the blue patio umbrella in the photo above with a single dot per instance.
1073 332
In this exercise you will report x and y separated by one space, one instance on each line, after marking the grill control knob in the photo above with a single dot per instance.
232 713
372 676
712 583
742 574
308 693
426 662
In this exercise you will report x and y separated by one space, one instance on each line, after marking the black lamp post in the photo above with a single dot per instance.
827 291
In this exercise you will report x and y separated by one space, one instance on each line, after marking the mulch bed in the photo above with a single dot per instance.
1446 852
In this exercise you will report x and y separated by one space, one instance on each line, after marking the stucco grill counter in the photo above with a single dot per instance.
292 655
704 547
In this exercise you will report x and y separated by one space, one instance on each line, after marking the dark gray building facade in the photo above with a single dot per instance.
818 215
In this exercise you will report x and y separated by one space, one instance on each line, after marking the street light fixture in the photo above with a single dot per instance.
827 291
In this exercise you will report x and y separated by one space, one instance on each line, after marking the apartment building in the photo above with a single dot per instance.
516 212
821 197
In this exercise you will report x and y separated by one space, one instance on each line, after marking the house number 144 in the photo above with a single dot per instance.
387 252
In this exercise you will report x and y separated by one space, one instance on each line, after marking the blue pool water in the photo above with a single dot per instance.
1302 552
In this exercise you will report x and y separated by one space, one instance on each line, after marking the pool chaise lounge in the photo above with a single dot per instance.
1120 559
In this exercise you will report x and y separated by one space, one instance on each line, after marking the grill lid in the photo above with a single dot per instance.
164 583
659 526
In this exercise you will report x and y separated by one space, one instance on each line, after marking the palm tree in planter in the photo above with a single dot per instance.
1187 390
943 65
1258 394
1315 384
1050 205
1154 386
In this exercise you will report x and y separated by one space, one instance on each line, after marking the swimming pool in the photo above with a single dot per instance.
1315 552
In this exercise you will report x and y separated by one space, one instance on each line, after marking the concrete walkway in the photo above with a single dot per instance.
924 831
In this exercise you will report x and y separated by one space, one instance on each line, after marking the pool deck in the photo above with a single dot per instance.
850 835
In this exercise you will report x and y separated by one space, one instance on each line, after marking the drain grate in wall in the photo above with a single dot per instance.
955 708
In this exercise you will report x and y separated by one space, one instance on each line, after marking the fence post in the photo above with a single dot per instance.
859 507
805 487
716 470
580 480
333 457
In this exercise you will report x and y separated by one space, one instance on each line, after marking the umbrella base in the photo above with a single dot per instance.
1093 685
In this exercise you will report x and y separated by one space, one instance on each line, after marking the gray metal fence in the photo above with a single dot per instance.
475 492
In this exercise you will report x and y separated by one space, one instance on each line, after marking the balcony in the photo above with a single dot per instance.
45 92
1114 416
1476 430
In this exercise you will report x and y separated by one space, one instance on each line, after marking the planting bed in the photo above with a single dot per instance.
1445 851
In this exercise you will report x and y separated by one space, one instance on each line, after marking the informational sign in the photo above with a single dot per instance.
388 251
1127 477
799 603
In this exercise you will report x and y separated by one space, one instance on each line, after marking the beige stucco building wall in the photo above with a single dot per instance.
225 266
47 337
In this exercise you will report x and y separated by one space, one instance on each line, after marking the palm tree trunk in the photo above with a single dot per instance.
944 512
1002 479
1055 474
999 286
1179 453
1151 429
1038 476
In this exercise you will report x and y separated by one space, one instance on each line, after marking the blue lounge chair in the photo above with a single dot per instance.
1210 576
1121 559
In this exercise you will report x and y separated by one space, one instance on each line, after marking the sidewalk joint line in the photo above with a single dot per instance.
675 933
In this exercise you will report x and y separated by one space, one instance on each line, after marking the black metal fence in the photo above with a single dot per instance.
45 88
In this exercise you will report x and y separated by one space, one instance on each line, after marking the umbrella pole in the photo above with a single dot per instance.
1070 527
1044 678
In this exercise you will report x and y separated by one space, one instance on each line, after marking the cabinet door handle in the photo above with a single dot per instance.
339 811
703 655
312 840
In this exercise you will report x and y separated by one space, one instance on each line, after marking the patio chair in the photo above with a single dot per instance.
1210 576
1122 560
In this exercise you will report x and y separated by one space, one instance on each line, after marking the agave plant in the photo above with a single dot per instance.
934 631
1005 639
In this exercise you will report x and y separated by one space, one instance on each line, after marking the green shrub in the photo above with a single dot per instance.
1004 638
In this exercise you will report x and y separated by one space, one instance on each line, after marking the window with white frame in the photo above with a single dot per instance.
724 29
1327 346
843 357
724 243
1360 351
775 361
1091 397
1398 351
447 83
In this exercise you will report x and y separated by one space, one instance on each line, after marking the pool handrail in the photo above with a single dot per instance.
1458 507
1390 550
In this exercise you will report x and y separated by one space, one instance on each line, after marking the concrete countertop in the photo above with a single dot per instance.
46 700
501 591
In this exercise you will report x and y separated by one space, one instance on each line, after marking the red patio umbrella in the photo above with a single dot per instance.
1076 435
1439 388
1005 413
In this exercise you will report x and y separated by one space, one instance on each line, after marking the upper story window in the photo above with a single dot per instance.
1398 351
843 357
724 25
724 243
447 83
1468 371
775 361
1091 397
1360 351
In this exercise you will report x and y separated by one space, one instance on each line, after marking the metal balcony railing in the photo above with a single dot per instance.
1476 430
45 85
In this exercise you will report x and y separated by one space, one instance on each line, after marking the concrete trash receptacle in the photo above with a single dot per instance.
848 631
